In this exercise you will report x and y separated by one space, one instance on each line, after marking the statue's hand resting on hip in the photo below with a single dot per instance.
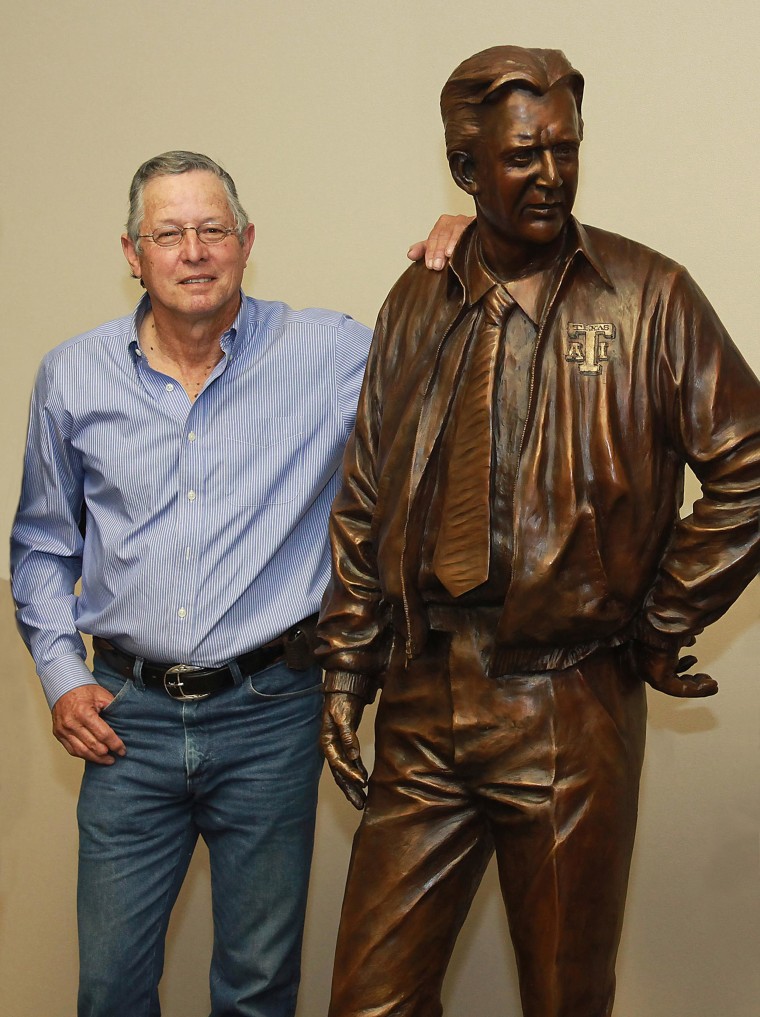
664 671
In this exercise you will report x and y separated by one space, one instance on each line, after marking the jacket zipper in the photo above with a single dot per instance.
404 596
531 390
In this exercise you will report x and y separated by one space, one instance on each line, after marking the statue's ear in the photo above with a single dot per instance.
462 168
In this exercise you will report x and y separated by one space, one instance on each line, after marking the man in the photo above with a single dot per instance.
183 461
510 565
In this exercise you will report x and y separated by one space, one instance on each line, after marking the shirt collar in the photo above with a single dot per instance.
136 321
587 248
476 278
228 340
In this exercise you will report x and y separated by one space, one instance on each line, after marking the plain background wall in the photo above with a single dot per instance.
326 115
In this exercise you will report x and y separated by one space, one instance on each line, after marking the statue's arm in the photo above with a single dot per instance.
354 625
711 399
341 716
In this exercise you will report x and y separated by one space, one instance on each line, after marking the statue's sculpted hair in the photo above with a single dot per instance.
483 78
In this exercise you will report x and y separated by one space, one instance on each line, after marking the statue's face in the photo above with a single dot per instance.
524 167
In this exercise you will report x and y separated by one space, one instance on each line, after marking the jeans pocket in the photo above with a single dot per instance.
280 682
119 689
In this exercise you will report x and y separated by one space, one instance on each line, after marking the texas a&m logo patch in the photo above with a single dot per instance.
588 346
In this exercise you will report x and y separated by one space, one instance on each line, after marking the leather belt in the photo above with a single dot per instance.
187 682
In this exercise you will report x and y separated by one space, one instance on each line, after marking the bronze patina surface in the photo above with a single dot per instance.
510 565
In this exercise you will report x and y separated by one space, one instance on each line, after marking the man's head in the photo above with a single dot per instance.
174 163
188 238
513 125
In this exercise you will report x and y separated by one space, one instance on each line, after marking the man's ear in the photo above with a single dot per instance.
462 168
132 256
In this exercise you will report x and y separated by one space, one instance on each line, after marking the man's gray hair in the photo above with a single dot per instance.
174 163
483 78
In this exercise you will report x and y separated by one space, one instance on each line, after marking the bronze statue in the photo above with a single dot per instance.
509 562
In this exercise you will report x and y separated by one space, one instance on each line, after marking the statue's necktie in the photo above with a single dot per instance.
461 556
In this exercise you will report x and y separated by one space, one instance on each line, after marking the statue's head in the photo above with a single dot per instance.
513 126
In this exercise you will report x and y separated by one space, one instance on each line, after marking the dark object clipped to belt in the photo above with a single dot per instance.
188 682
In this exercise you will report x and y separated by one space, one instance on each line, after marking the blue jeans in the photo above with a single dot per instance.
241 769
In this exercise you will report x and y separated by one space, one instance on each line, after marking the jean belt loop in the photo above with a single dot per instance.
237 675
137 673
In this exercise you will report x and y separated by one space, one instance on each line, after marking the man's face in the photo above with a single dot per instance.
525 166
193 281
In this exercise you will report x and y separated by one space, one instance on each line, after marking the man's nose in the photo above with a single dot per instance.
549 175
193 247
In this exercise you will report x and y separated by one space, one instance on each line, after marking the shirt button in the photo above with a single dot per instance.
181 613
169 387
191 495
191 436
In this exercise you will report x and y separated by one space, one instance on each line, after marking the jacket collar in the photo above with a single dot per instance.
588 249
476 279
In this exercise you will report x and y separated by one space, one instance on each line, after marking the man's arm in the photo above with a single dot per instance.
78 726
711 406
46 561
441 241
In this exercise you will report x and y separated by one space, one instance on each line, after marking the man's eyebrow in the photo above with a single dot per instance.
521 142
174 220
522 137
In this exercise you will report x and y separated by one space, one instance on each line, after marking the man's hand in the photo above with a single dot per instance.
664 672
439 246
340 745
78 727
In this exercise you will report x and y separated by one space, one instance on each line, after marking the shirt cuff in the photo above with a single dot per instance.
63 675
360 685
669 642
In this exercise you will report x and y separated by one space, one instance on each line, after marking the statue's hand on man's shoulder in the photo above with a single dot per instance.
341 716
664 671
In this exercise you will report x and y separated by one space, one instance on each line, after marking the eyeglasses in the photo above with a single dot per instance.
170 236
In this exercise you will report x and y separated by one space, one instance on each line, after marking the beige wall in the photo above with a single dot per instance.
326 114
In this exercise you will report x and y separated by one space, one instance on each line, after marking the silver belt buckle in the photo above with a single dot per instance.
173 683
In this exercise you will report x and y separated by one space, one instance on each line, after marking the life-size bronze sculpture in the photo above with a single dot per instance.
510 565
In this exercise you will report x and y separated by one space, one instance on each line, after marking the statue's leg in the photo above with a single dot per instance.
563 824
418 856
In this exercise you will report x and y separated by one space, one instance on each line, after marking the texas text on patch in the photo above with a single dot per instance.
588 345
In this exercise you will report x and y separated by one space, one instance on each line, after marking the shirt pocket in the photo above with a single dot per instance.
263 462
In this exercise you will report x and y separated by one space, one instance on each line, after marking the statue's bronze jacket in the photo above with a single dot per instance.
633 376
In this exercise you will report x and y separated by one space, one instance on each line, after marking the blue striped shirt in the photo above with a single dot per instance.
205 523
